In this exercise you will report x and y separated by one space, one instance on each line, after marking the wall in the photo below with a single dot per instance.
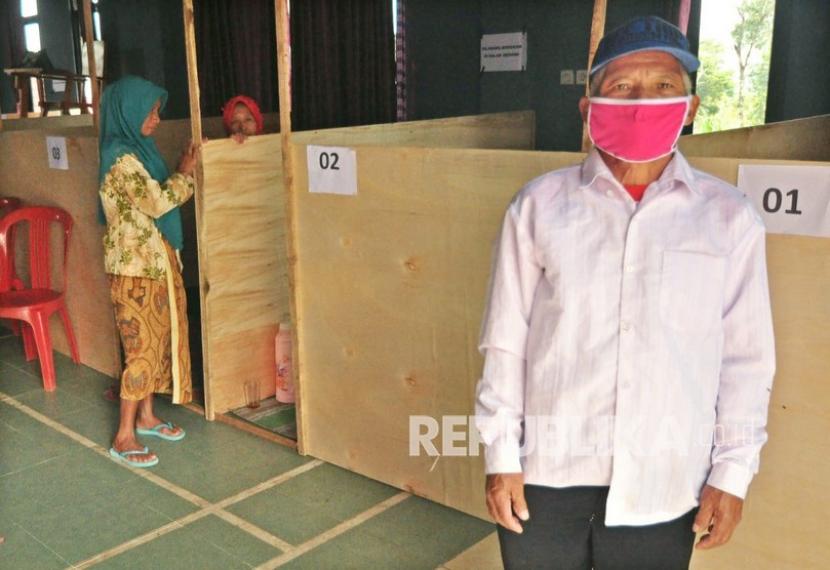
558 34
55 22
443 57
146 38
7 97
799 83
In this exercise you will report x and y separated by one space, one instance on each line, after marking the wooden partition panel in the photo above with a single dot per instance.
800 139
244 229
24 173
392 284
391 293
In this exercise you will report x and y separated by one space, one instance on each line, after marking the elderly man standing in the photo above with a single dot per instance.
628 335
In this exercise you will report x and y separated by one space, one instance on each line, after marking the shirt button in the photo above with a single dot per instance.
625 325
629 268
609 193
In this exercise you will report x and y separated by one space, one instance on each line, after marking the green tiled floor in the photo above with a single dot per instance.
205 544
305 506
62 502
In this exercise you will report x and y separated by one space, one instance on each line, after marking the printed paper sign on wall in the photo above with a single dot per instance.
332 170
504 52
56 151
791 199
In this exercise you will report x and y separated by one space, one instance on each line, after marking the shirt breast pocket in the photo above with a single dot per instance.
691 291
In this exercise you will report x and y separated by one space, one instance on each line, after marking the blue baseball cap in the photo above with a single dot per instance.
647 33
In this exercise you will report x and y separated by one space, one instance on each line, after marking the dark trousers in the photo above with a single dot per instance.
566 531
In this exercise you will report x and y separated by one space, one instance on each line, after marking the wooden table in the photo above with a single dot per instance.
22 76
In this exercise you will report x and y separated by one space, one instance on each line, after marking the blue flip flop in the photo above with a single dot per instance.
124 456
156 432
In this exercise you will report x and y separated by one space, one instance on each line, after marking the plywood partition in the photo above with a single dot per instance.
245 288
800 139
24 173
246 285
393 291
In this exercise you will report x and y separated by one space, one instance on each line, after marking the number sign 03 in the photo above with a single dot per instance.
332 170
790 199
56 153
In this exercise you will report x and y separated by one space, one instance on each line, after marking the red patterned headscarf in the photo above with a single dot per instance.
227 112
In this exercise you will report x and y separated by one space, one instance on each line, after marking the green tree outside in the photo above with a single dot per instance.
736 99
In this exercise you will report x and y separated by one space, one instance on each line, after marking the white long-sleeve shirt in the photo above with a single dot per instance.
628 344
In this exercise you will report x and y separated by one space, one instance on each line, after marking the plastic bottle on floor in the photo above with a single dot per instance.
285 387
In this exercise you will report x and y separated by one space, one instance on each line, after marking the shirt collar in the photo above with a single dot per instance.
677 170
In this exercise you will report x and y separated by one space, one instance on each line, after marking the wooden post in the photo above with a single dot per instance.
683 16
597 31
192 71
284 78
196 135
90 58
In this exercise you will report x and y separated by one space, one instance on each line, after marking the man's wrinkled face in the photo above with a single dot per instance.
643 75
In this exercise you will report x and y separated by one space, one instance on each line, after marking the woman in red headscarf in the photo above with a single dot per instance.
242 118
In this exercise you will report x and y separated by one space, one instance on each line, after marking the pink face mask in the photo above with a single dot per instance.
637 130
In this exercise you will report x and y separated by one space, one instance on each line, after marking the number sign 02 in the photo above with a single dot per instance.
791 199
332 170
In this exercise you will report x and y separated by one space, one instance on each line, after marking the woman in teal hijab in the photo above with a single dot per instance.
140 203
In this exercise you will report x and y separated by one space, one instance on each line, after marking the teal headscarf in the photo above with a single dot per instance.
124 106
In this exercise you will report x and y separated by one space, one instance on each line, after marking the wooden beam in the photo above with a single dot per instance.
196 136
284 78
246 426
192 71
90 58
597 31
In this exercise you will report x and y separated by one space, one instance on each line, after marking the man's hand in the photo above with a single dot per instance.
719 514
506 500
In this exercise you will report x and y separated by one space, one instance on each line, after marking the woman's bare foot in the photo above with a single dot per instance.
127 444
152 421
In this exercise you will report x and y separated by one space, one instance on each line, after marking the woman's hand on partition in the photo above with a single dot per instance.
187 162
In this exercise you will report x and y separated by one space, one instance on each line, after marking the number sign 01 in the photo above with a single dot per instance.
791 199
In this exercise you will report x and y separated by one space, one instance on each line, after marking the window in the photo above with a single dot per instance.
28 8
32 34
735 44
96 21
31 37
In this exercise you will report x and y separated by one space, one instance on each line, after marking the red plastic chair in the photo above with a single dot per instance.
7 204
34 305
